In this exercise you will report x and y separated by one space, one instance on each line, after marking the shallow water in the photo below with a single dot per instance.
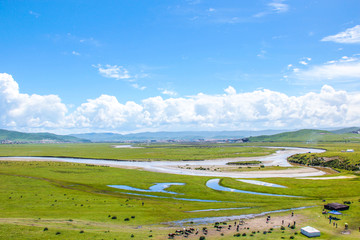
158 187
214 184
124 146
207 220
261 183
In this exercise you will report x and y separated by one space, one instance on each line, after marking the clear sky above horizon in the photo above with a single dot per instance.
130 65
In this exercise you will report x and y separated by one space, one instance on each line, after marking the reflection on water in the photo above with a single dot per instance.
158 187
208 220
265 184
214 184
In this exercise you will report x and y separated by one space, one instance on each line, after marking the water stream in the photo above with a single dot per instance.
158 187
179 167
214 184
208 220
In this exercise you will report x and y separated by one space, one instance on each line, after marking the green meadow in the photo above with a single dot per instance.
142 153
57 200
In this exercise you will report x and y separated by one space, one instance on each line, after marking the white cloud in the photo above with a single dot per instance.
260 109
137 86
31 111
167 92
305 61
75 53
346 68
230 90
276 6
34 14
261 54
116 72
350 35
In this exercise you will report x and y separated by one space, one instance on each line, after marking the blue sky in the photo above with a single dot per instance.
130 65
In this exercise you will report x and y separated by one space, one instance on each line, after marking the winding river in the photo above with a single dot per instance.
279 158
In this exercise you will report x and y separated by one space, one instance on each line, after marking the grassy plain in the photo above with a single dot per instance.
72 201
144 153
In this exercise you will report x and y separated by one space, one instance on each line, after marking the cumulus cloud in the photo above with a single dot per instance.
31 111
260 109
350 35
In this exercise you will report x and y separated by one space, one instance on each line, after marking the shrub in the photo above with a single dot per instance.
113 217
202 238
45 229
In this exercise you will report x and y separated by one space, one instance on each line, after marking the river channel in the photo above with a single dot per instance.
279 158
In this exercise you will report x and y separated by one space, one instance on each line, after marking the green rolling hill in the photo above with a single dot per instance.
14 136
310 135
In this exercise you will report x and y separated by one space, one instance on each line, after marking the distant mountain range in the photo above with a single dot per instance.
176 136
305 135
